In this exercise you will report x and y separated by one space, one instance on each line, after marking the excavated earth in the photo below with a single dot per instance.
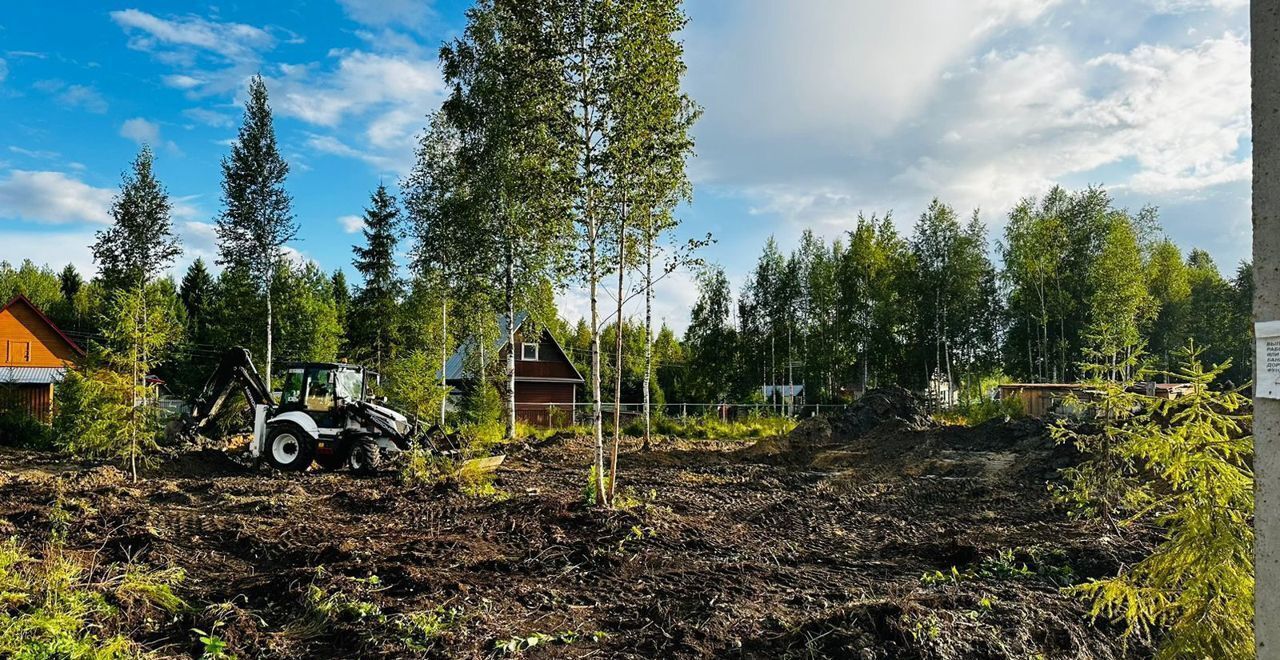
838 540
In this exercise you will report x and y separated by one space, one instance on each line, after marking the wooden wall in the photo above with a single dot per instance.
27 341
35 399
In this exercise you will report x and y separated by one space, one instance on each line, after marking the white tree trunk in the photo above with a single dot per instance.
648 332
444 354
617 373
511 343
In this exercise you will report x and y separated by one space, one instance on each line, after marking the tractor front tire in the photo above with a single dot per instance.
366 456
289 448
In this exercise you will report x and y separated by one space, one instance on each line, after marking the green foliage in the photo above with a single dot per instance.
411 383
20 429
756 424
306 312
374 309
1186 465
139 244
213 646
522 643
59 604
427 469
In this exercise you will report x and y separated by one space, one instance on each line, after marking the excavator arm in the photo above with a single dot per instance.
234 370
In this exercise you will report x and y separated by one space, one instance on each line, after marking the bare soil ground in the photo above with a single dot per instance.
807 546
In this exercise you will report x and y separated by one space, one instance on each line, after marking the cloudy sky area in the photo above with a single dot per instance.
814 110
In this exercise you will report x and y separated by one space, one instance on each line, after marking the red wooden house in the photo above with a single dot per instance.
546 380
34 354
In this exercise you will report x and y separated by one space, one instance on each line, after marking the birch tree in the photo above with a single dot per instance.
256 220
508 107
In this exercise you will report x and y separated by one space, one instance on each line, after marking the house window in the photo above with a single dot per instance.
529 352
26 351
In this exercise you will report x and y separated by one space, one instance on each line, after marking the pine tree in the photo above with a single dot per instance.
140 243
375 308
257 218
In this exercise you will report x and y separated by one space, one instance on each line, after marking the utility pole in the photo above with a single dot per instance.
1264 21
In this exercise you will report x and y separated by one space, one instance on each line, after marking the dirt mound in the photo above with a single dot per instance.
893 406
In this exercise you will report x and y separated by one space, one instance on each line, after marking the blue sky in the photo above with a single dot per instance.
814 110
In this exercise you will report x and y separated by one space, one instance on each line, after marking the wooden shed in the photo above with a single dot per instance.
34 355
1038 399
546 380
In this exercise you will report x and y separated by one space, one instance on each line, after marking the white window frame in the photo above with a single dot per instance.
524 352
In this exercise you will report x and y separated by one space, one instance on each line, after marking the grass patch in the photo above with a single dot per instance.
59 604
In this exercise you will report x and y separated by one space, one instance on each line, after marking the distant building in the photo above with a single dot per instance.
546 380
34 354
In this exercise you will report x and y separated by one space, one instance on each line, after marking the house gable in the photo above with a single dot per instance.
29 339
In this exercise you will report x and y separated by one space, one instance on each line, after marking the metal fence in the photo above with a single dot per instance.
565 414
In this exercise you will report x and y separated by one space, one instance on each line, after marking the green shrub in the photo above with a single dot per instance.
19 429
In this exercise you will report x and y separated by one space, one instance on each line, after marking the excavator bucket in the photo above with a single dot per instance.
482 465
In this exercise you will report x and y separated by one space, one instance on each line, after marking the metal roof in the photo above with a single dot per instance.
455 367
457 362
32 375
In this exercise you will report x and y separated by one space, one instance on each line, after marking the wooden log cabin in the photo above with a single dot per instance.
546 380
34 355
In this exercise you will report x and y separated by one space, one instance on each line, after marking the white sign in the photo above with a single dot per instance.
1267 361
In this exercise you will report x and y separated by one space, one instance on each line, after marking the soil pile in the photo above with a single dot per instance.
883 407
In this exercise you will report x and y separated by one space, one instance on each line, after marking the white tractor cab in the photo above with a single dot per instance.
324 415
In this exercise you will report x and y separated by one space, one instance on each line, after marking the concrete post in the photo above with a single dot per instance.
1264 18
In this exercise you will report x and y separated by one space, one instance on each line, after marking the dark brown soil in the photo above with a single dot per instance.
802 547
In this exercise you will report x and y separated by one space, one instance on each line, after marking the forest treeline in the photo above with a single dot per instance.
1070 273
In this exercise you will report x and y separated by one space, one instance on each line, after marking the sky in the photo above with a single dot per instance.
814 111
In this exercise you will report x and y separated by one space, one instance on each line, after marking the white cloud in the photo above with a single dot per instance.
351 223
333 146
38 154
409 13
209 117
362 82
81 97
140 130
55 248
1187 6
150 33
4 70
52 197
143 131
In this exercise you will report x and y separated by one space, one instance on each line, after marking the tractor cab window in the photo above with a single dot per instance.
319 390
348 384
291 392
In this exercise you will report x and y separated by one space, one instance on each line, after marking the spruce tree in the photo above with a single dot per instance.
195 293
342 300
257 217
375 307
140 244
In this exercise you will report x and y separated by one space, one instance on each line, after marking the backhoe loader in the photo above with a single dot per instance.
324 415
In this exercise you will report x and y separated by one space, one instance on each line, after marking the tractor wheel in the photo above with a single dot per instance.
289 448
366 456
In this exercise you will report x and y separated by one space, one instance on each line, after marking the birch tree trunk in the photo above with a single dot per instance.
648 332
511 342
444 354
617 375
